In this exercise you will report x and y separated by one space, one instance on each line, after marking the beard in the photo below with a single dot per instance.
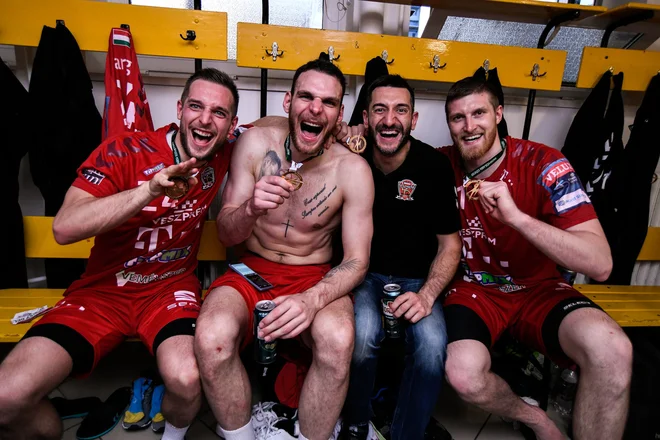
474 153
400 128
184 144
294 140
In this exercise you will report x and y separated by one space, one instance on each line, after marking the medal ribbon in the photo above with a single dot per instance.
295 166
175 150
485 166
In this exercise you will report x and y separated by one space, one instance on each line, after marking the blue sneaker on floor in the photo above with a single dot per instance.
157 418
137 415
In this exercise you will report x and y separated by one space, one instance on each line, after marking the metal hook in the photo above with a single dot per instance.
535 72
190 36
125 26
436 63
611 69
60 22
384 56
486 66
274 53
331 54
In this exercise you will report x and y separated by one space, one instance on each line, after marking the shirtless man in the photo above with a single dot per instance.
288 234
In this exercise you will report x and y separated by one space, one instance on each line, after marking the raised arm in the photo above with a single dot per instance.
246 197
83 215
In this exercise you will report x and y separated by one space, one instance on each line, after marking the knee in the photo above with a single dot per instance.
333 346
466 378
185 383
430 354
15 398
367 341
613 356
216 341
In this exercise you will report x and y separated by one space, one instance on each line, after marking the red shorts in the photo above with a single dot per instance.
286 280
532 315
105 320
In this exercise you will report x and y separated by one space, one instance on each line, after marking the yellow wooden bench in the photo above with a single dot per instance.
628 305
40 243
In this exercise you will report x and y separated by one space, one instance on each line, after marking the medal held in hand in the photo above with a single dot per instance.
356 143
470 184
179 189
472 188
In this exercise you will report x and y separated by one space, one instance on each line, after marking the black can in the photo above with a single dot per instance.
391 324
264 352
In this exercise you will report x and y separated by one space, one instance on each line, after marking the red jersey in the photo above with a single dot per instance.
544 186
162 240
126 107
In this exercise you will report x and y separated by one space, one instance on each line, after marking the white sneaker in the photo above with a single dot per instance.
265 412
281 428
335 432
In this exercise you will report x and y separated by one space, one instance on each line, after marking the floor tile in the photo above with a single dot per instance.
497 429
461 419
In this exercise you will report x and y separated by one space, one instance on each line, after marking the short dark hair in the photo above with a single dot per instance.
469 86
215 76
323 66
395 81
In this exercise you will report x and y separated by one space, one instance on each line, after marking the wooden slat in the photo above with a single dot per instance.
40 243
412 56
155 30
593 289
638 66
526 11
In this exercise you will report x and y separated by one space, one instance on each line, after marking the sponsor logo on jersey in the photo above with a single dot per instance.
152 170
185 212
406 189
208 178
93 176
124 277
565 189
571 200
475 229
504 283
162 257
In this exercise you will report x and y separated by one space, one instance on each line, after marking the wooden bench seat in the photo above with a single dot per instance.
630 306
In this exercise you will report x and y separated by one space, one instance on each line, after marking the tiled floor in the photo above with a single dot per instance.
463 421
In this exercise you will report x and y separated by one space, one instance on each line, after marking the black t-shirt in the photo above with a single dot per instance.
413 204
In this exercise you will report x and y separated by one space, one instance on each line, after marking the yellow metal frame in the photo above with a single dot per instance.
412 56
639 66
155 30
40 243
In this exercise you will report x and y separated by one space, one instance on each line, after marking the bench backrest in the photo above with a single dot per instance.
40 242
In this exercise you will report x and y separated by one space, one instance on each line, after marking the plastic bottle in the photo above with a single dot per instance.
566 389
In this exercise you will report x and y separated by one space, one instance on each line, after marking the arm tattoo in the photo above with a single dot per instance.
347 266
271 165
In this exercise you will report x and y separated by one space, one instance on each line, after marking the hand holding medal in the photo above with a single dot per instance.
292 175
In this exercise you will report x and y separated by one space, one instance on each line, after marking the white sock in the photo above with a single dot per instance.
174 433
302 437
244 433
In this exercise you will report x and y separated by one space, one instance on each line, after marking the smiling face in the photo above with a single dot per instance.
205 119
314 110
473 123
390 119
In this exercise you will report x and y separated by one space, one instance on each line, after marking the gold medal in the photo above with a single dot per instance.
179 189
472 189
294 178
356 143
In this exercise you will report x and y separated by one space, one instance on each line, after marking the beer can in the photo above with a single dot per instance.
264 352
391 324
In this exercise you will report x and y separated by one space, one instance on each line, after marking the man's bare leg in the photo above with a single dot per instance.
468 372
33 369
183 389
221 327
604 353
331 337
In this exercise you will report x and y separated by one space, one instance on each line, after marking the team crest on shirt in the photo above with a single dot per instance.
406 189
208 178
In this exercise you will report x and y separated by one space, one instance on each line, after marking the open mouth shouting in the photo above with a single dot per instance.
310 132
202 138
